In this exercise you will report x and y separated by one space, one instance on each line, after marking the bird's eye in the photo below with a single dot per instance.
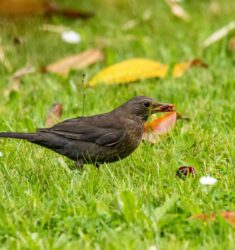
146 104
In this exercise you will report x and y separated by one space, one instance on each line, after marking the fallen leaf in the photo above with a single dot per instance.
159 126
78 61
24 71
15 8
229 216
180 68
22 7
14 83
204 217
138 68
70 13
178 10
54 114
219 34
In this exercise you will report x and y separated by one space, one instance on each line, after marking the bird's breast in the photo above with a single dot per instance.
134 132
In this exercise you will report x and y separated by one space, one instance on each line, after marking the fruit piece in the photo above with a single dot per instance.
185 171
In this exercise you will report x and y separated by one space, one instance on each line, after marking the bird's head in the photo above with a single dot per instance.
143 106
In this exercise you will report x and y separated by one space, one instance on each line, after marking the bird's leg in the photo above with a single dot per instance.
97 165
79 164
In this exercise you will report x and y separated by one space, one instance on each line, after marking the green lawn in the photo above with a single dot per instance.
138 202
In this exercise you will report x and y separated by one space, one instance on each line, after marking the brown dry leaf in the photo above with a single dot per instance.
15 8
78 61
228 216
138 68
178 10
14 84
159 126
180 68
22 7
219 34
54 114
24 71
204 217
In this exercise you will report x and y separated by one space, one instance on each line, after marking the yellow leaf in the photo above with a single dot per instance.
137 69
129 71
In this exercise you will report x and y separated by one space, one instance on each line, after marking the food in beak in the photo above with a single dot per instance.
164 108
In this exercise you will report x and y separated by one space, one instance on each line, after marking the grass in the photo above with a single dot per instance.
138 202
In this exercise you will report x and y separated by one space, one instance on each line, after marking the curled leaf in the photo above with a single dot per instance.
54 114
78 61
139 68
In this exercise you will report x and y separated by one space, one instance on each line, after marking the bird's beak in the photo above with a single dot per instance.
162 107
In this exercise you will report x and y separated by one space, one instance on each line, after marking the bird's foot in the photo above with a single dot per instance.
97 165
79 165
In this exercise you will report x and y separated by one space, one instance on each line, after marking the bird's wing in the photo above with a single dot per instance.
85 130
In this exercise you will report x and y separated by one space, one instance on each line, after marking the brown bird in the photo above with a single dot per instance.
100 138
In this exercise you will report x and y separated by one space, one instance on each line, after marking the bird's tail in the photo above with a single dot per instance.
24 136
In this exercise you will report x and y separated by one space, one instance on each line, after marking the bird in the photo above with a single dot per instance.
97 139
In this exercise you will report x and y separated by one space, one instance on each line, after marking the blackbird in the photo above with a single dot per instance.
99 138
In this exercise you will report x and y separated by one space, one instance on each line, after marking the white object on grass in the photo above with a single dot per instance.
1 154
207 180
219 34
70 36
153 247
